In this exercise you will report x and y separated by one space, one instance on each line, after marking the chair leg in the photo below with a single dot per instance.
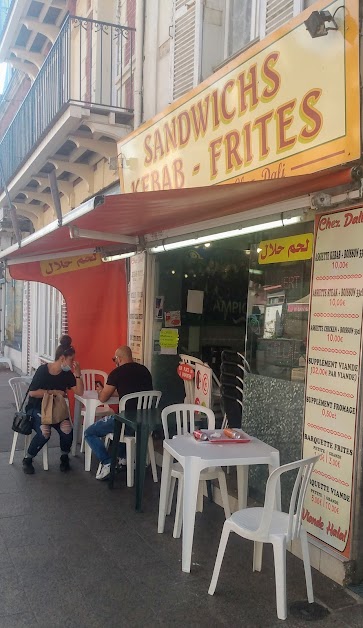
307 567
257 556
45 457
224 494
179 510
130 460
171 495
13 447
279 548
151 450
82 441
221 549
200 498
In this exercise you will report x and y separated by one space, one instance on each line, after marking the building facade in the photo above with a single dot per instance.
170 98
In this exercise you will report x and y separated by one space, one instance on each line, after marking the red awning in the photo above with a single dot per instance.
149 212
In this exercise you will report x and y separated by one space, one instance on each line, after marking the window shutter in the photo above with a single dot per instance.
186 45
275 13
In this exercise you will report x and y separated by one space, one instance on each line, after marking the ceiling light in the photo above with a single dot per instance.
114 258
171 246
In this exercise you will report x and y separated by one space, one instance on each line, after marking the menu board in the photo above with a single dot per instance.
136 306
333 374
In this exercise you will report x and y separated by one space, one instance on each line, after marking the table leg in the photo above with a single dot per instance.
142 438
242 485
116 439
89 418
77 416
164 489
191 484
274 464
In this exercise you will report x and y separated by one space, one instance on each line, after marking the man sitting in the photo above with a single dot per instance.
128 377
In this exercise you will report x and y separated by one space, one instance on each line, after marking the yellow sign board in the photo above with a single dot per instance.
169 338
287 106
291 249
62 265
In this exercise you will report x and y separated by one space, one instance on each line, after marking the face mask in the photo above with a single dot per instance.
66 368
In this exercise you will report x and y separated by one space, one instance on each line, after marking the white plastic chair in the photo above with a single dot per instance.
145 399
185 424
89 377
267 525
19 386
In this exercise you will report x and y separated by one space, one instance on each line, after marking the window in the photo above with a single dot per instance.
241 25
247 20
14 313
50 320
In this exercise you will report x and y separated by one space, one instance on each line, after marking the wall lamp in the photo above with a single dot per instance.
315 24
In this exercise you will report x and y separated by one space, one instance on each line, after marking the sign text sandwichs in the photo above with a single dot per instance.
257 118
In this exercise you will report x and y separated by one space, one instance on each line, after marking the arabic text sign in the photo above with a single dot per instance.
291 249
62 265
333 374
258 118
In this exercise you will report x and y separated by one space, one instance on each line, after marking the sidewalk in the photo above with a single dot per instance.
74 554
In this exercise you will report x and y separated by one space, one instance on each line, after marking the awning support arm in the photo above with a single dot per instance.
75 233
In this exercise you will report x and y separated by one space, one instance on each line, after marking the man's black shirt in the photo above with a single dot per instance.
130 378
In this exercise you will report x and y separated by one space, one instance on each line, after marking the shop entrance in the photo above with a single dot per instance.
222 295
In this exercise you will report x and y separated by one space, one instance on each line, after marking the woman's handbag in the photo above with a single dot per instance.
22 422
54 409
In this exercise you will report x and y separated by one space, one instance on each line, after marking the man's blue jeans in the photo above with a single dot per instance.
94 435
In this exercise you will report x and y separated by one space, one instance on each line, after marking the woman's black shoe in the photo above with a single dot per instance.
64 463
28 466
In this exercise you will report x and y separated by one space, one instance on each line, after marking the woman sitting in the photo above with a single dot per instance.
54 378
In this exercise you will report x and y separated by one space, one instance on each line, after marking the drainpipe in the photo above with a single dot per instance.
139 55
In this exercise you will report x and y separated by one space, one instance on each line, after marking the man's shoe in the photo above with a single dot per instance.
64 463
104 472
28 466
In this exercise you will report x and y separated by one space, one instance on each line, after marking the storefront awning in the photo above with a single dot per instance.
105 219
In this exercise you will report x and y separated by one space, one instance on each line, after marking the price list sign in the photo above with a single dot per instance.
136 306
333 374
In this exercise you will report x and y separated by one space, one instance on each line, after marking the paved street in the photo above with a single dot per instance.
74 554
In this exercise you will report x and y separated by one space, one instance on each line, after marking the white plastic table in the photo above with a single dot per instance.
90 401
194 456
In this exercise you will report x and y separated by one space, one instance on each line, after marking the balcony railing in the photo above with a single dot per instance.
90 63
4 10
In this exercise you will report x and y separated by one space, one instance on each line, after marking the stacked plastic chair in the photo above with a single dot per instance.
234 367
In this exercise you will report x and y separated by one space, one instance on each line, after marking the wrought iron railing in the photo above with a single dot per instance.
90 63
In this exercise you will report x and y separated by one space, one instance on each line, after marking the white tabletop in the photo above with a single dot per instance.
93 394
221 454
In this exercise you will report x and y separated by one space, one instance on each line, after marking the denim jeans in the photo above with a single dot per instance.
94 435
42 435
